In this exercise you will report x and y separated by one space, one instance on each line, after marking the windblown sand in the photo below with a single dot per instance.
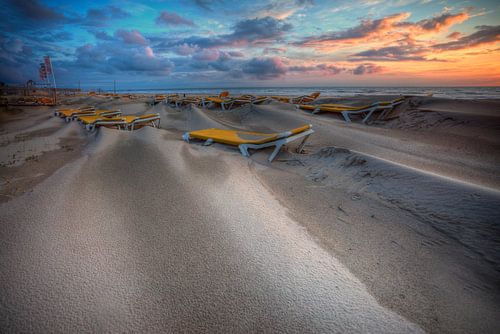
384 228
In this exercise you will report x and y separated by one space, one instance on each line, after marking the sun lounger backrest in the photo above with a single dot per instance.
294 131
224 94
315 95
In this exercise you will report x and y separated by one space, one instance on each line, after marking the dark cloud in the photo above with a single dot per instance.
185 49
330 69
366 69
206 55
17 63
110 57
301 68
131 37
387 28
236 54
60 36
206 4
484 35
443 21
365 29
265 28
173 19
102 35
141 63
391 53
246 32
265 68
33 9
325 69
455 35
99 17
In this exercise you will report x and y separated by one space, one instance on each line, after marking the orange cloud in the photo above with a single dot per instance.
387 29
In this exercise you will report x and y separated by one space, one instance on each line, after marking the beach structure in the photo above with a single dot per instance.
120 122
299 99
246 140
346 111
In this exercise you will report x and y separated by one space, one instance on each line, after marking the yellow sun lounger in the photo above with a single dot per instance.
64 113
97 112
137 122
125 122
158 98
208 101
242 100
347 111
188 100
254 140
91 122
298 100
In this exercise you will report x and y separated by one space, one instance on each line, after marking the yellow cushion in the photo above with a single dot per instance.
232 137
95 118
130 119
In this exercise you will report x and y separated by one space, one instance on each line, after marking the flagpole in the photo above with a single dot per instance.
54 80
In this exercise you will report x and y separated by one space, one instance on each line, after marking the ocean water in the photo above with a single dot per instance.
447 92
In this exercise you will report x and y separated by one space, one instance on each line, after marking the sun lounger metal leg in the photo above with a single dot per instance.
345 114
277 143
302 143
368 115
276 151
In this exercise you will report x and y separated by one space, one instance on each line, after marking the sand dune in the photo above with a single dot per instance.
391 227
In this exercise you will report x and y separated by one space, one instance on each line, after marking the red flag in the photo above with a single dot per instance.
48 65
42 71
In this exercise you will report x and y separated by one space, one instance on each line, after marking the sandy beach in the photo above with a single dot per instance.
386 227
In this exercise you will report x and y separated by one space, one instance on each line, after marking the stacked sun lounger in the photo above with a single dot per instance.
226 102
347 111
215 100
68 113
197 101
246 140
92 122
299 99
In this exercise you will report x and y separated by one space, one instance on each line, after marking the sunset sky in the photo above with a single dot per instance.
223 43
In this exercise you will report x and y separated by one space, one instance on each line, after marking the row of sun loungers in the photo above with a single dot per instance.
299 99
223 100
92 118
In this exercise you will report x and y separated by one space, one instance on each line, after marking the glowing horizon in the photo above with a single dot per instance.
266 43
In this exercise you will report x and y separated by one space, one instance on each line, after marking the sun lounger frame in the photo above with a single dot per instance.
153 120
92 126
189 100
57 112
110 113
251 101
367 112
278 143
